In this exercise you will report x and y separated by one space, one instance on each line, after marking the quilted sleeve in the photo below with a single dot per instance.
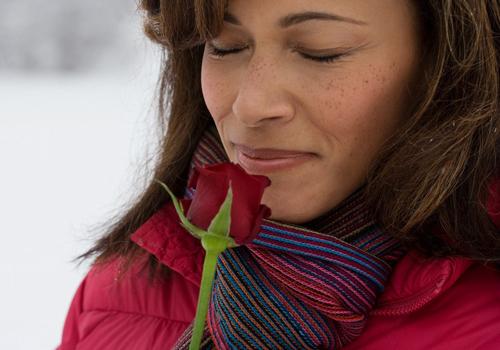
70 336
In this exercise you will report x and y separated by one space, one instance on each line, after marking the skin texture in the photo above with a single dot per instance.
267 95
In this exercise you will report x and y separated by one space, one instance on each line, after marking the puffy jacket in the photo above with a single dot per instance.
428 303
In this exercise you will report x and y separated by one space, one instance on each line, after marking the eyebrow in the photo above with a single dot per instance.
296 18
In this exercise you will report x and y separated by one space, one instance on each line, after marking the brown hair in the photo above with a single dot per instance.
434 171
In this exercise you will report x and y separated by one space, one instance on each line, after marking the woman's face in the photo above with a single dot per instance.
314 128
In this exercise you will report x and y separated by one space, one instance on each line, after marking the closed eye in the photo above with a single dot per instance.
221 52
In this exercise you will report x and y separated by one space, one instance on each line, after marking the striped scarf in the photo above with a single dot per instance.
296 287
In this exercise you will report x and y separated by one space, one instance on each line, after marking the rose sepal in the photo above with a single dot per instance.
194 230
217 223
221 222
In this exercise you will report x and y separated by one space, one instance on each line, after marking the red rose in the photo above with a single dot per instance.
211 184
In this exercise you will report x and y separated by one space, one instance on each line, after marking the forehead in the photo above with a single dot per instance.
295 18
377 21
283 14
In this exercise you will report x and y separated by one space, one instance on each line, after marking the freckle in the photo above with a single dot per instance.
366 81
330 85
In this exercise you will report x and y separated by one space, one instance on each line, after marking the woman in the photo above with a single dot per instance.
376 122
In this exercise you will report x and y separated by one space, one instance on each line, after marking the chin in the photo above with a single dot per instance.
290 218
286 213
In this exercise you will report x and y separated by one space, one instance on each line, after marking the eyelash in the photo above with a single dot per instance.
218 52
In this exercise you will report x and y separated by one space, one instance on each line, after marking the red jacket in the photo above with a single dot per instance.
438 303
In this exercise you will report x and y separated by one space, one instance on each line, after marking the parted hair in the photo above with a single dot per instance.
434 172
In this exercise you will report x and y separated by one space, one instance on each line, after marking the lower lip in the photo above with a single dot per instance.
257 165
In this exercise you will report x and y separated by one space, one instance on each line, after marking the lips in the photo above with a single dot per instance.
269 153
267 160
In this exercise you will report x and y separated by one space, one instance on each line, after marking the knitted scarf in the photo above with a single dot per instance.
296 287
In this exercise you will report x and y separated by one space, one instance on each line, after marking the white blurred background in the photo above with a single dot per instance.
77 84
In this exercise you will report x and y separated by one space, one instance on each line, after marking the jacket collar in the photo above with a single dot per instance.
416 280
164 237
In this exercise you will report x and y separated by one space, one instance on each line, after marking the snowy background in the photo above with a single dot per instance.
77 84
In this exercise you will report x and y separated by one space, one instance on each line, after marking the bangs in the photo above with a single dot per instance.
181 24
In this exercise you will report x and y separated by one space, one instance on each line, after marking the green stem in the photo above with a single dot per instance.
208 275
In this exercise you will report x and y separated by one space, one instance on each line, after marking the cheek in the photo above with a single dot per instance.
216 90
361 111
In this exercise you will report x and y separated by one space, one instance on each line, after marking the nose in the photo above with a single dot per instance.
263 96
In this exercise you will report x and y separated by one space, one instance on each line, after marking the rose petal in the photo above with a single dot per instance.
212 182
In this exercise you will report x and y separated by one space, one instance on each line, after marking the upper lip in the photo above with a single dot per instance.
269 153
